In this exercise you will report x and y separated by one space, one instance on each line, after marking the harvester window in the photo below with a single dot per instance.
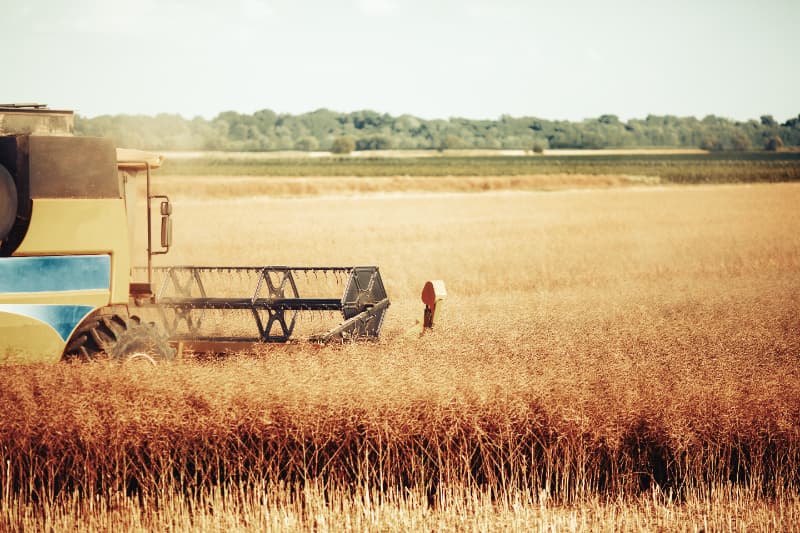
73 167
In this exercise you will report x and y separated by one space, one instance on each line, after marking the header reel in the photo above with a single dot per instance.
205 308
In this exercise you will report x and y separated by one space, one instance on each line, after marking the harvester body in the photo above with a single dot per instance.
67 287
67 250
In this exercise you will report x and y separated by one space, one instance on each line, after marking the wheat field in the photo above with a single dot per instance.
616 359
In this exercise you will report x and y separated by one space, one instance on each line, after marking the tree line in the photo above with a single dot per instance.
328 130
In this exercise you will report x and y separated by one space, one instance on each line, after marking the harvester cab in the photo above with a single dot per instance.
68 289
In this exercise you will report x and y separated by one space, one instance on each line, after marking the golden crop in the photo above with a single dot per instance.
598 347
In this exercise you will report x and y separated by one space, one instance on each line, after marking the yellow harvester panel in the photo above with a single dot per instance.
25 339
82 227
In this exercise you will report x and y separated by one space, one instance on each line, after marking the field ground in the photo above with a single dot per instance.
430 153
609 359
233 187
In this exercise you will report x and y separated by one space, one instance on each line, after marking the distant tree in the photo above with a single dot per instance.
792 123
374 142
538 147
370 130
343 145
406 123
368 118
773 144
711 144
265 120
307 144
740 142
449 142
404 141
768 121
284 142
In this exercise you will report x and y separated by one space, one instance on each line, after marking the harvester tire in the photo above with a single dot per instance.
8 203
118 339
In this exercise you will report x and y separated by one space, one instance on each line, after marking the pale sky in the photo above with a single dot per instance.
434 59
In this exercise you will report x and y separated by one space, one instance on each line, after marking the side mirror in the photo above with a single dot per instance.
166 224
166 231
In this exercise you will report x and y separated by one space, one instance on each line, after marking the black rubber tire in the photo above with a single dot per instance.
8 203
118 339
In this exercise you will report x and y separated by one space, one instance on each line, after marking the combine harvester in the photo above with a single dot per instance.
67 287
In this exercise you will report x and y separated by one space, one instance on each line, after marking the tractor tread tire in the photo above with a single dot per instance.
117 338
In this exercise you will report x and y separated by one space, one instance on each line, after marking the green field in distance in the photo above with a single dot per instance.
675 168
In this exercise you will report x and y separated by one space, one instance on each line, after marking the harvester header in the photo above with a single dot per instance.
201 306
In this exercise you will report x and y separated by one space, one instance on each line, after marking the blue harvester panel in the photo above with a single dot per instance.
53 274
